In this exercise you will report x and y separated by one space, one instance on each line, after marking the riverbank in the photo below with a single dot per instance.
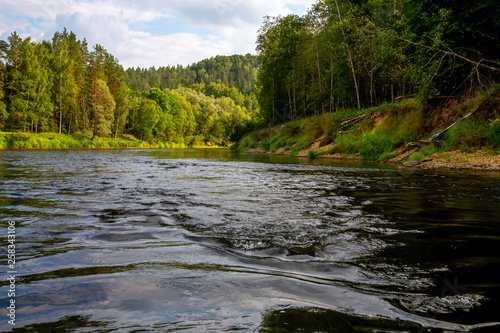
457 160
80 141
450 132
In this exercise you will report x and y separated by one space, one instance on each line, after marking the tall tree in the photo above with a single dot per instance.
103 108
14 86
65 88
122 108
3 107
36 76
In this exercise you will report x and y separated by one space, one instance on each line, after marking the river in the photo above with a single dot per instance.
215 240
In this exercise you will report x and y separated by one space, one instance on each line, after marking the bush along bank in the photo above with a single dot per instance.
411 131
64 141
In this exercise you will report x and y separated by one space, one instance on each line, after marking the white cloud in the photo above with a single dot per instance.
183 48
222 26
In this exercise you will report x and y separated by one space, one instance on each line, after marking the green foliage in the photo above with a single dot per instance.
248 142
103 109
428 150
350 143
494 134
467 28
376 147
331 59
222 76
418 156
395 125
62 141
277 143
403 128
63 86
312 154
468 135
422 153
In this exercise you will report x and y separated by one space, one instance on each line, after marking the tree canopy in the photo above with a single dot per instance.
62 86
360 53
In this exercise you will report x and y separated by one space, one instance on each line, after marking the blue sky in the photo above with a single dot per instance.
149 33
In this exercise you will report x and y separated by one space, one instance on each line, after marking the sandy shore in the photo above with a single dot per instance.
480 160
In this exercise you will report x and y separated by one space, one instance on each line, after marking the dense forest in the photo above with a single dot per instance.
237 71
342 54
62 86
360 53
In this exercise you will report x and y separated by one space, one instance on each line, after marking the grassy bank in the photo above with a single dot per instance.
64 141
389 130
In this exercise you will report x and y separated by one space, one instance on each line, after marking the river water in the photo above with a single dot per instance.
214 241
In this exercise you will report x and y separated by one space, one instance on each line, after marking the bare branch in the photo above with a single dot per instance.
480 63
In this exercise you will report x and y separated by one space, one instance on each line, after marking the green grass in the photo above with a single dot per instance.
423 153
350 143
79 141
397 125
494 134
468 135
63 141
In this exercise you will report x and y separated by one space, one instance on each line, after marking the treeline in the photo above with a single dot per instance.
359 53
57 86
186 117
235 72
62 86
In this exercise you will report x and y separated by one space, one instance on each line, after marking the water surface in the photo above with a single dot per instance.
214 240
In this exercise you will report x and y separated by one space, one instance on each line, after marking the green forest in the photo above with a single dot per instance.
360 53
341 55
63 87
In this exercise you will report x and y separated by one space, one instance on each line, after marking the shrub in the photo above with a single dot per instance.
376 146
418 156
349 143
312 154
292 128
245 142
264 144
494 134
428 150
305 140
276 143
467 135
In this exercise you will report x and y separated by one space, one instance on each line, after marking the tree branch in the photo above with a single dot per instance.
480 63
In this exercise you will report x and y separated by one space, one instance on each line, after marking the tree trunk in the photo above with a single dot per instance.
371 88
116 129
319 76
60 93
332 98
350 58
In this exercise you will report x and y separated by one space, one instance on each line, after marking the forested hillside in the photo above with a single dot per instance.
235 71
62 86
360 53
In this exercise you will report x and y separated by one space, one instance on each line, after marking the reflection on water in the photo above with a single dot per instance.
214 240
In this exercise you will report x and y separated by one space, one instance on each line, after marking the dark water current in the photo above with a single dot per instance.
214 241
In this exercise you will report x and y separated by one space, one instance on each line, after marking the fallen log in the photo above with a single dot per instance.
351 121
416 145
433 138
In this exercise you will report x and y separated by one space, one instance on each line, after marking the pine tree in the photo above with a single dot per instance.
103 110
